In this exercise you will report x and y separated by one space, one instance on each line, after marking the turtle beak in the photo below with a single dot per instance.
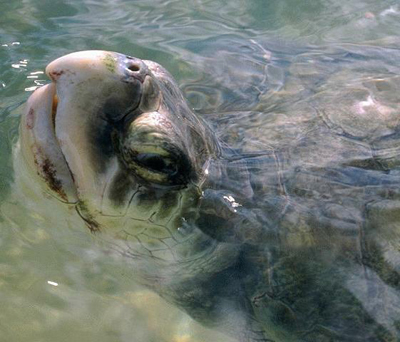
92 92
41 150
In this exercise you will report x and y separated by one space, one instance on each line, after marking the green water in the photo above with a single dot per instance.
224 54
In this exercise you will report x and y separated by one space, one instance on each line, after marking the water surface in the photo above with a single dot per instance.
227 56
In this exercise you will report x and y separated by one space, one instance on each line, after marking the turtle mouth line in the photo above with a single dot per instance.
54 106
53 115
43 152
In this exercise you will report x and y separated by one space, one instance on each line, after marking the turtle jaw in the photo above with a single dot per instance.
95 90
40 148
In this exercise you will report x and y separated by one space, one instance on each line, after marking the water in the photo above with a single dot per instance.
226 55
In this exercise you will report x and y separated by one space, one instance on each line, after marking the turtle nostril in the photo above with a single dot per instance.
134 67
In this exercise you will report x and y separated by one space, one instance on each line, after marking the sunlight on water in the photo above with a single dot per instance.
246 57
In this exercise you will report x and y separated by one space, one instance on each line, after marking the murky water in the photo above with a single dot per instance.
228 57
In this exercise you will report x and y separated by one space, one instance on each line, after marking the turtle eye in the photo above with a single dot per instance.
158 163
153 150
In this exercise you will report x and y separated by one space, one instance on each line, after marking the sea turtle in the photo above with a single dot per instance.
280 224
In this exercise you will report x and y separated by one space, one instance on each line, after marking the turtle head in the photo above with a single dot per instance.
113 135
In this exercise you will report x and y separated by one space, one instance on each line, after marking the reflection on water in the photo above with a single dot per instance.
235 61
